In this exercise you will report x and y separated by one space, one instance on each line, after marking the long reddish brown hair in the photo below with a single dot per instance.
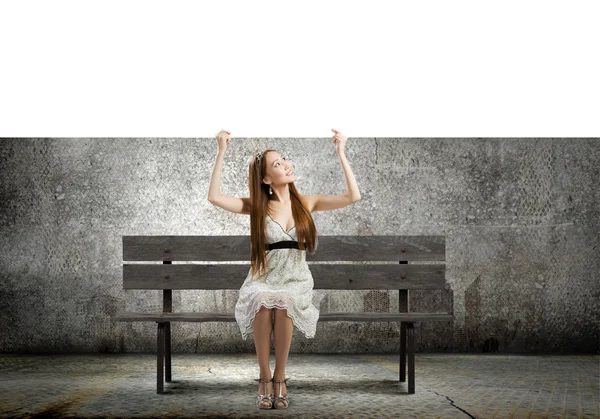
306 232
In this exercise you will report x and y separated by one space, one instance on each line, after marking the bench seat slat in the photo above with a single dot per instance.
230 317
385 317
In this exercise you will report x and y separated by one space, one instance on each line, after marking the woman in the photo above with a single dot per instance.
277 293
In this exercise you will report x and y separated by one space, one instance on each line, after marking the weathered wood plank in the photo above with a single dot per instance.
330 248
385 317
230 317
326 276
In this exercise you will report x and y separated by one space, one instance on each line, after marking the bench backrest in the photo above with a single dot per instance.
386 264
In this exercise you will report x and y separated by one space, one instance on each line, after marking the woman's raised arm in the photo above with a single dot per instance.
229 203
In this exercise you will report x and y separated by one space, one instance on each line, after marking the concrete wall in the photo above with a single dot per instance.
520 216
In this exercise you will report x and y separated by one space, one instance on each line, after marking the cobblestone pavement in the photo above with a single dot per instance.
319 386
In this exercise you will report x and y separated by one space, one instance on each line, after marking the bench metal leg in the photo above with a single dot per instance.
160 357
168 352
410 335
402 352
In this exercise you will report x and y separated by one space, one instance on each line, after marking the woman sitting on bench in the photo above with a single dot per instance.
277 293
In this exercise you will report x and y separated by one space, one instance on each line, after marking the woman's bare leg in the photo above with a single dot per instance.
283 341
263 328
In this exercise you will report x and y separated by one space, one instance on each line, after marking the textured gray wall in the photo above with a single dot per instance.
520 216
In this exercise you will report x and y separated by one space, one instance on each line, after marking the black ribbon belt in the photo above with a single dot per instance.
284 244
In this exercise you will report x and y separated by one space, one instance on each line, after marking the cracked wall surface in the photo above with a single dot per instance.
520 216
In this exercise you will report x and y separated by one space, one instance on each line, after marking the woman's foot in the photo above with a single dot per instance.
264 399
281 397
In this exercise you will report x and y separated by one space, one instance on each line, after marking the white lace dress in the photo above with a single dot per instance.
287 283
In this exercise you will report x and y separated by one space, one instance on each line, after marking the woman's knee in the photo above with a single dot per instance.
280 312
264 311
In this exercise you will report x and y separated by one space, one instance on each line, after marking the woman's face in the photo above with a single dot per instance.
278 168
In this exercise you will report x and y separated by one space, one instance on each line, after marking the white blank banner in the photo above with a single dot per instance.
298 69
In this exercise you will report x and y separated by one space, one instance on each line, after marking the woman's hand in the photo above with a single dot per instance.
223 138
340 141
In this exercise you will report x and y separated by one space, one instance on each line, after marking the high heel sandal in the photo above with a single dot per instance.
281 400
265 401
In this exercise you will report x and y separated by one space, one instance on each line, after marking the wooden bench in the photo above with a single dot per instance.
402 276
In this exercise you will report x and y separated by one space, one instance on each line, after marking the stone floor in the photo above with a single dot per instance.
319 386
